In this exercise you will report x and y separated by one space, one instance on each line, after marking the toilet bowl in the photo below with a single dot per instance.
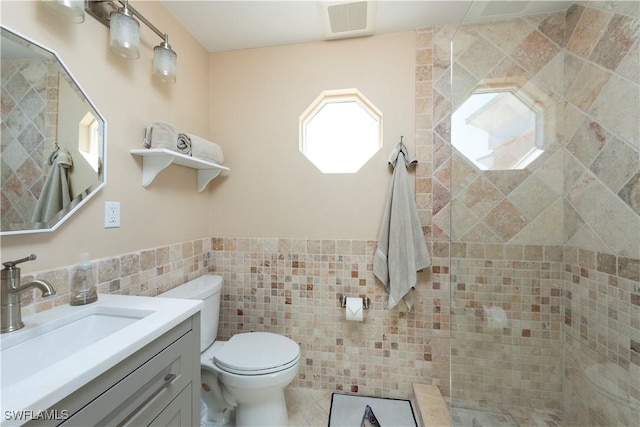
243 379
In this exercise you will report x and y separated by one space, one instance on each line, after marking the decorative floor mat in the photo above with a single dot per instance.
349 410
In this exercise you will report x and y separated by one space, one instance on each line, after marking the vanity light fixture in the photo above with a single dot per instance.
124 37
124 34
68 10
164 62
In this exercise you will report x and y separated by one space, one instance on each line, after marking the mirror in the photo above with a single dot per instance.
53 154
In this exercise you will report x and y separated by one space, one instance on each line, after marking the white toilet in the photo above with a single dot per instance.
249 372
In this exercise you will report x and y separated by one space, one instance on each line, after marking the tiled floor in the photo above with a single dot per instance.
521 417
310 408
307 408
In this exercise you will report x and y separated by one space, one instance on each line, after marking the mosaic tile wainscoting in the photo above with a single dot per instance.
506 348
292 287
148 272
601 333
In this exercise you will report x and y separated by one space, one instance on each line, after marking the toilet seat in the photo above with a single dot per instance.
257 353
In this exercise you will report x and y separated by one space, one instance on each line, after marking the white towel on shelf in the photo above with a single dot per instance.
184 144
206 150
402 250
162 135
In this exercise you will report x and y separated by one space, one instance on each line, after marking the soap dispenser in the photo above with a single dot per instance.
83 287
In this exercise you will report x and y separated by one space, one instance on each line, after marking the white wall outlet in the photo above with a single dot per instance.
111 214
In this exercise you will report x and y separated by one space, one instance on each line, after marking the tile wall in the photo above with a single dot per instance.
601 334
29 111
505 226
147 272
518 236
292 287
602 213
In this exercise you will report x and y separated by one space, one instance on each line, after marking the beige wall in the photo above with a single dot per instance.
170 209
257 97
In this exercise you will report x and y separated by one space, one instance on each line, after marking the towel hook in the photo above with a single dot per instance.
402 146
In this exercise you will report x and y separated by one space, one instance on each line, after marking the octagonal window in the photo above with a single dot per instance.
496 131
340 131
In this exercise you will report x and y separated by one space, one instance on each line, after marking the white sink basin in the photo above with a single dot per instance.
44 345
62 349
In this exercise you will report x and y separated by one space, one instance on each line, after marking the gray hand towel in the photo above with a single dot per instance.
56 193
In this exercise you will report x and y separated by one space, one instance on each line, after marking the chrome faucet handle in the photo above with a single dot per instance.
11 264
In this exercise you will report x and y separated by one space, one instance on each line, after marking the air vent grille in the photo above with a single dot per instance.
348 17
504 7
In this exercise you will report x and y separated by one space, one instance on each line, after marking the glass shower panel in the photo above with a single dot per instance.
506 214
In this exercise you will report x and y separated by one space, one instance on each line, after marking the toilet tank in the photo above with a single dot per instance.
206 288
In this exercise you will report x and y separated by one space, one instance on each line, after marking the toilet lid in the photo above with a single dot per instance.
255 353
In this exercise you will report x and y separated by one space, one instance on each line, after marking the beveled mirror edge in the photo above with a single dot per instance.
81 199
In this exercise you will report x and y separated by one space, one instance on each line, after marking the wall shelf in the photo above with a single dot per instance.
155 160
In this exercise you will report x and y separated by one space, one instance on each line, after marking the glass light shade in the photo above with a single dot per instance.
164 64
124 37
68 10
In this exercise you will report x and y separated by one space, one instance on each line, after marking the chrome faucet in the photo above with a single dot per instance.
10 290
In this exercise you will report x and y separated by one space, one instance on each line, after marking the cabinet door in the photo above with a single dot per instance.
177 413
149 388
146 391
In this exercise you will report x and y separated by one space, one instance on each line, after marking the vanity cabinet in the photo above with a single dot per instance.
159 385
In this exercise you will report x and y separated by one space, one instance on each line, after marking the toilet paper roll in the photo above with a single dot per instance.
354 309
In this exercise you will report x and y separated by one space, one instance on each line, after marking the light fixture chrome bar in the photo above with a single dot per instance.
138 15
101 10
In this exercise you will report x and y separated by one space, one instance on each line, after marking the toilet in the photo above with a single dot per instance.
244 377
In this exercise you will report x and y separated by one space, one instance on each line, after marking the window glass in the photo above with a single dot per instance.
340 131
496 131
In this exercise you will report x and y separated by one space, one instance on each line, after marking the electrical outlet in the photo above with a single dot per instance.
111 214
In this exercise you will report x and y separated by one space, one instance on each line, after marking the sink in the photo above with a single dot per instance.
27 351
63 349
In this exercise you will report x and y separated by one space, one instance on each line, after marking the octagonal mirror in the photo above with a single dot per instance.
497 130
53 139
340 131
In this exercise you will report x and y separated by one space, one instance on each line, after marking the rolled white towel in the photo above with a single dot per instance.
184 144
206 150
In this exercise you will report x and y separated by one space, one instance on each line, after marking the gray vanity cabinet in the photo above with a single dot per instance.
159 385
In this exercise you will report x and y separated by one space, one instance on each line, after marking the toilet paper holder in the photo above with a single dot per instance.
365 302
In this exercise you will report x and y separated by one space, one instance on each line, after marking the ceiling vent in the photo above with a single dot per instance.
343 20
494 8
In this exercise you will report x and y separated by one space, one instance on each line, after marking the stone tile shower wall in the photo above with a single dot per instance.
505 226
602 98
602 213
555 246
292 287
601 333
29 117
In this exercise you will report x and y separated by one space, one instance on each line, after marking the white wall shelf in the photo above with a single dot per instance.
155 160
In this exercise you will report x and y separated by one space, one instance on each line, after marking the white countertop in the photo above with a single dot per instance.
49 385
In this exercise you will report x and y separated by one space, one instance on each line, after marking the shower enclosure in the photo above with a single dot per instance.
543 214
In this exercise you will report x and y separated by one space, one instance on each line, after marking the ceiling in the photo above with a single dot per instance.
231 25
